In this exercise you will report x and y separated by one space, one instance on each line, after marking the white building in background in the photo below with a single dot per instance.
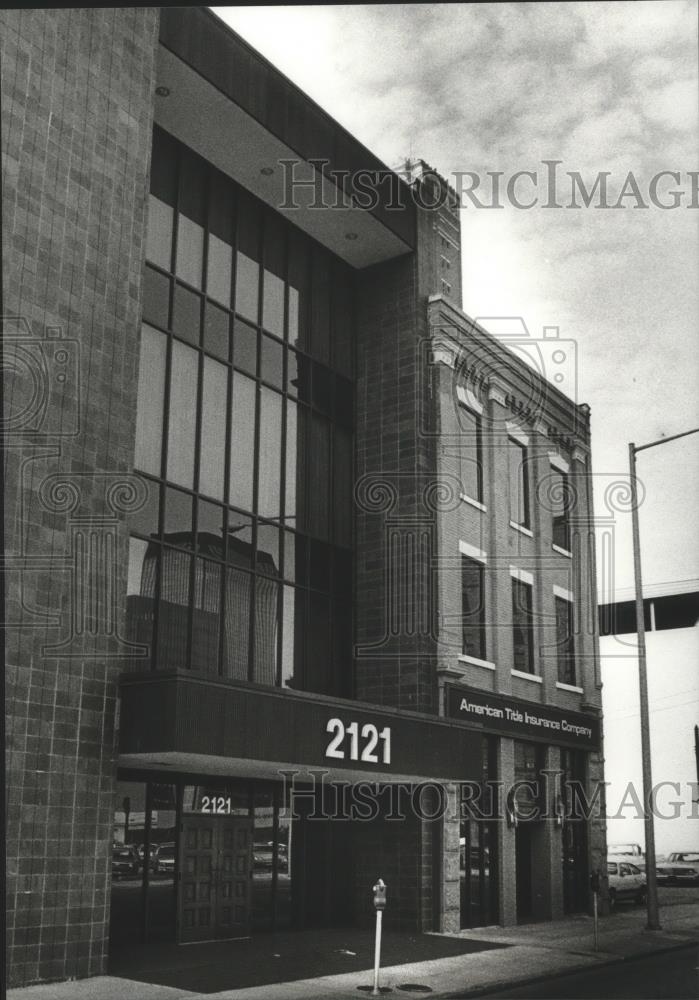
672 642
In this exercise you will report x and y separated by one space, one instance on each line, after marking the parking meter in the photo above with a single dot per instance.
380 895
594 881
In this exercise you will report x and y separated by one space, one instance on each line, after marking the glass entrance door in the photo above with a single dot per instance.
214 889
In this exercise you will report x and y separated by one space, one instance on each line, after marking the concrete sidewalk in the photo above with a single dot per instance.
536 951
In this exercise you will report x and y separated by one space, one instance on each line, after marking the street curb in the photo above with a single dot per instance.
513 984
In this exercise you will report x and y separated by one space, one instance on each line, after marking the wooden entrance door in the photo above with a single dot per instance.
214 883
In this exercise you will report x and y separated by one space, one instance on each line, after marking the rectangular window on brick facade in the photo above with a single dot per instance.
473 608
151 395
559 494
518 483
565 641
471 450
522 627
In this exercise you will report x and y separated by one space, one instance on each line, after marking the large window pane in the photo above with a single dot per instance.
151 394
522 627
190 251
273 304
219 270
213 429
182 415
473 608
242 442
159 242
291 471
247 277
269 484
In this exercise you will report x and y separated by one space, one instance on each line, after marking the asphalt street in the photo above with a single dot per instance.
669 976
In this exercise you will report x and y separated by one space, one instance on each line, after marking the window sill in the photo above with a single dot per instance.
527 677
520 527
563 552
474 661
569 687
474 503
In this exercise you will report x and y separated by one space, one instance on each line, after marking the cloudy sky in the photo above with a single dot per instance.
502 87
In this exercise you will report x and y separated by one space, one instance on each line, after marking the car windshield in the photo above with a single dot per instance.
635 870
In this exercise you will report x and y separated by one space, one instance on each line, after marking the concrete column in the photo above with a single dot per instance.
450 909
507 880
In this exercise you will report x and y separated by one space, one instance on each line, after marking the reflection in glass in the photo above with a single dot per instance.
182 415
151 394
126 902
266 630
161 880
207 615
190 251
178 518
242 442
219 268
210 529
144 521
173 618
288 637
268 549
293 316
291 471
212 454
273 304
236 625
263 858
159 245
140 597
247 277
269 476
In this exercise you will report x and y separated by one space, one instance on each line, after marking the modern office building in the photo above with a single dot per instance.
275 506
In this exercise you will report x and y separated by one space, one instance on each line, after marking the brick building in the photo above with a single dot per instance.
274 504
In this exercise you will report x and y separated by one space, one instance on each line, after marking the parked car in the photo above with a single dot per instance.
626 880
125 860
165 861
679 868
153 856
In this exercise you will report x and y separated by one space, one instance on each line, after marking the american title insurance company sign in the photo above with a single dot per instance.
523 719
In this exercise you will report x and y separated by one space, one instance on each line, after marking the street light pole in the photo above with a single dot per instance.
651 880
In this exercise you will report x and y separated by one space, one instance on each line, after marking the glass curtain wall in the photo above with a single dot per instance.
240 559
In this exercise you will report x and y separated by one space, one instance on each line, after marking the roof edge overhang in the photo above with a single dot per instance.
232 107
